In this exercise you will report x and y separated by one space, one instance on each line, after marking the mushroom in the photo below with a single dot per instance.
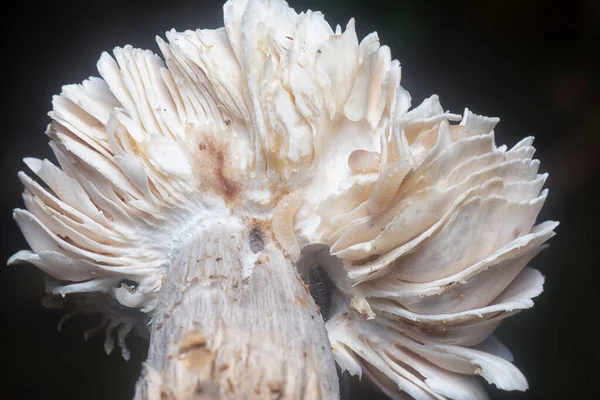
264 204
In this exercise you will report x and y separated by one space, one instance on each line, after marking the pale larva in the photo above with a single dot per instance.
283 223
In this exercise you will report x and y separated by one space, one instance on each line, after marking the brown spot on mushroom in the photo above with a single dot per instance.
275 387
304 285
193 350
302 301
263 225
229 188
215 170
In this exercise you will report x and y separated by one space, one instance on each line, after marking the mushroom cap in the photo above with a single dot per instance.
424 226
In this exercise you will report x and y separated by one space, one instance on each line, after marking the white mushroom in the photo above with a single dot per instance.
198 191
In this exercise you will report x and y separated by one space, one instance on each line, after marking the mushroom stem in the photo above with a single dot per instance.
235 321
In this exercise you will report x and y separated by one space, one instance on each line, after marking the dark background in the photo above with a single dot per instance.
531 63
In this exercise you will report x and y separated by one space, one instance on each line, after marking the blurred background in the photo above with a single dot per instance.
532 63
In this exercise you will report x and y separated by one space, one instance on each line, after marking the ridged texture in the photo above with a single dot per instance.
440 260
279 118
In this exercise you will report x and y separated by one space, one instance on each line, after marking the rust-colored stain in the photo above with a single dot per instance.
194 351
276 388
215 170
304 285
230 188
263 225
191 341
302 301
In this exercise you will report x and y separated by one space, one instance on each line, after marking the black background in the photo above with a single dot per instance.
531 63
